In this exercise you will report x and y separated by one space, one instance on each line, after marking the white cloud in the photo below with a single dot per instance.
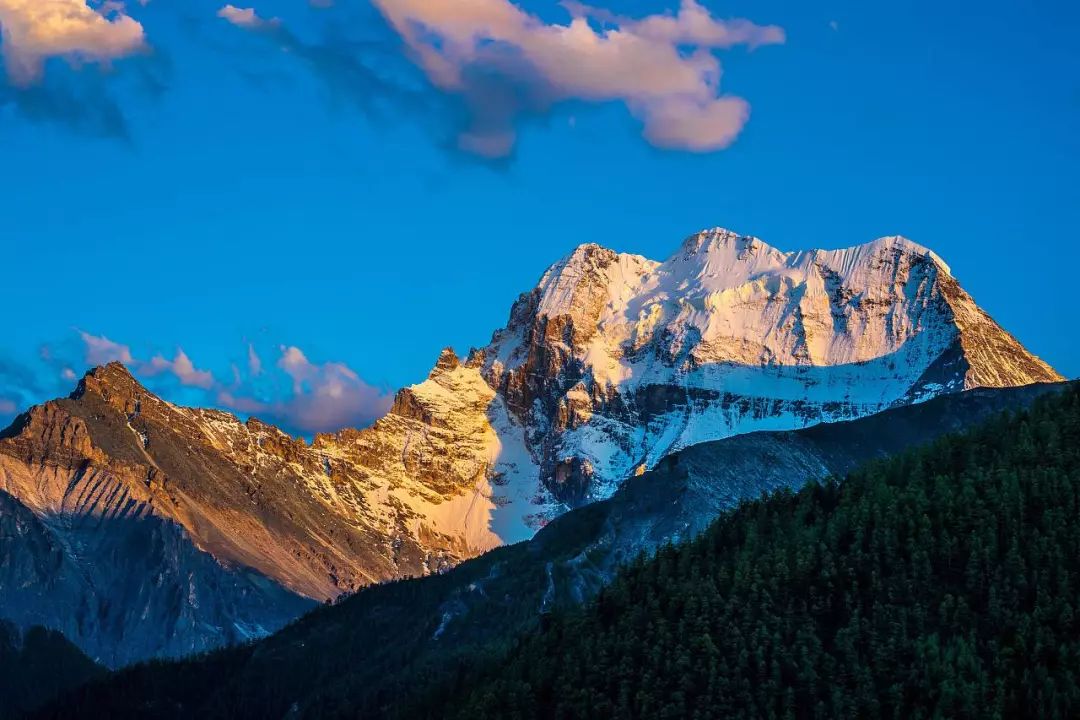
246 18
181 367
31 31
100 350
327 396
254 361
506 63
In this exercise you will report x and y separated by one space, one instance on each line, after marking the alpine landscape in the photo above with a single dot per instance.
728 480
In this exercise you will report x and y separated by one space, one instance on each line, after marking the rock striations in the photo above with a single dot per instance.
140 528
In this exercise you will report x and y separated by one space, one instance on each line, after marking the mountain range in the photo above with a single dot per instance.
143 529
374 653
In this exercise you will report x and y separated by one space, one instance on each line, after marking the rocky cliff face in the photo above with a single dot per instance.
217 529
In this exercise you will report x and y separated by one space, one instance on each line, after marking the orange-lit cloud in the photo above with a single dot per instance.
506 63
246 17
32 31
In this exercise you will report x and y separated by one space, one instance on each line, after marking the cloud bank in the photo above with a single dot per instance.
324 397
484 66
504 65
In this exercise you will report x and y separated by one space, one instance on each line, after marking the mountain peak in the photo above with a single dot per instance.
448 360
584 256
114 370
720 237
897 244
719 243
721 251
107 380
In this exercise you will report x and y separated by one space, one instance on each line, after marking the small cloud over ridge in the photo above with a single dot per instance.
317 397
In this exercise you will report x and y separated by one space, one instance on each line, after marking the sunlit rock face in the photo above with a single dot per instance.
133 514
143 529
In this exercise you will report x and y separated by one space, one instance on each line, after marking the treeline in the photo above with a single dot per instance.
37 665
941 583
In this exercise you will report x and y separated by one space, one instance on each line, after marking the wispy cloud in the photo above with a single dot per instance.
182 368
323 396
254 361
100 350
83 107
357 67
328 396
506 63
500 65
313 397
19 382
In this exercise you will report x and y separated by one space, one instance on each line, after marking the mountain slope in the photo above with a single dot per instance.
128 588
363 655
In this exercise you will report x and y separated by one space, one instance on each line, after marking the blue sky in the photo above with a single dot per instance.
249 187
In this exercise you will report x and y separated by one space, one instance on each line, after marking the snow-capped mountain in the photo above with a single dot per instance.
221 528
615 360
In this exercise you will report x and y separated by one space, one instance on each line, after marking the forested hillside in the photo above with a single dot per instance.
942 583
36 666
